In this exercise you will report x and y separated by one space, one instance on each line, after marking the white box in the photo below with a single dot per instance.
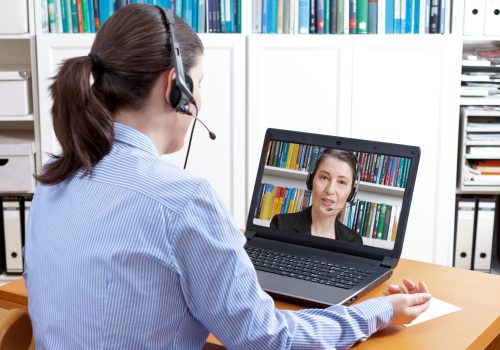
15 92
17 167
13 16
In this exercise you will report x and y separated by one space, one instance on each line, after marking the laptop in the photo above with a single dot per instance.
328 215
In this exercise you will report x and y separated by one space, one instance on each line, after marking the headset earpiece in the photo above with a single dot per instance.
176 93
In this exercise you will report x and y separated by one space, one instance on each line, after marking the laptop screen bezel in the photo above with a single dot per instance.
348 144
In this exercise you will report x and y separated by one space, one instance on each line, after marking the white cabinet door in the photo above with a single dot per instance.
52 50
297 83
221 162
404 90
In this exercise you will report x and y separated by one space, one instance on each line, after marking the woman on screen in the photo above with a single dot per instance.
333 184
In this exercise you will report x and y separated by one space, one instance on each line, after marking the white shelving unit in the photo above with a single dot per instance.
19 51
491 121
394 88
480 185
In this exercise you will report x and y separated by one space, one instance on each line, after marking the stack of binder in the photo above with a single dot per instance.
474 232
13 225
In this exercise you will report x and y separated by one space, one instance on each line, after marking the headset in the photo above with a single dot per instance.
314 169
181 94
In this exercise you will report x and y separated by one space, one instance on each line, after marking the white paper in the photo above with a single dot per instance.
436 308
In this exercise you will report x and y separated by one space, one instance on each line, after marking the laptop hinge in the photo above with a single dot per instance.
250 234
388 262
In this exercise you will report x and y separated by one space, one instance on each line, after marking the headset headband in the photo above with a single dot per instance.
186 97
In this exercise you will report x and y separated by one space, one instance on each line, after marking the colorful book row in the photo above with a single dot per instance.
281 200
374 168
292 156
86 16
351 16
373 220
383 170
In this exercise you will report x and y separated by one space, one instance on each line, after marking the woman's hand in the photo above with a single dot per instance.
411 288
407 302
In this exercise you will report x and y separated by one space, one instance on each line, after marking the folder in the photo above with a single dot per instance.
464 234
492 17
12 235
474 15
27 207
484 235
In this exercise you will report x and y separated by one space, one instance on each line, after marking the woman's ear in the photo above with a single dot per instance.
169 82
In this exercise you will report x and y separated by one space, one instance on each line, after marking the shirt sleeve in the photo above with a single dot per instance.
221 290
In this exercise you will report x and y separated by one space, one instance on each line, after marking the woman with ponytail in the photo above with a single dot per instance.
127 251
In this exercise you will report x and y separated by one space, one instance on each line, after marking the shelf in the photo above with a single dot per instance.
376 188
486 129
8 278
478 101
363 186
372 242
479 39
377 243
15 36
479 189
21 118
486 156
288 173
482 143
259 222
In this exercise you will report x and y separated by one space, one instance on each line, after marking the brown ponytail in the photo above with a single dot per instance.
130 52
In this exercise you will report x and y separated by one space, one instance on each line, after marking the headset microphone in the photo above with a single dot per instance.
353 203
210 133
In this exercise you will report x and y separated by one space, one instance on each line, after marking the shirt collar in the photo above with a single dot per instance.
133 137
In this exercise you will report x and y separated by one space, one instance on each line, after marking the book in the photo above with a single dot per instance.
333 16
435 16
387 222
280 21
91 19
320 16
312 17
372 16
362 16
79 11
304 10
381 221
58 16
97 16
486 167
353 16
65 16
85 15
327 16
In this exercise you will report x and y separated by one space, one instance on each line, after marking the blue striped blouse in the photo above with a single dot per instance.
143 255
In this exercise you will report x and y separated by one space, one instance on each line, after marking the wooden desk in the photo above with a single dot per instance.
476 326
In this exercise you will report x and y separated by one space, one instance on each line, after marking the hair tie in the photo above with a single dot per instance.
96 61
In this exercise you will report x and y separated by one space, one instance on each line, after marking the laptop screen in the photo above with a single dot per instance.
338 189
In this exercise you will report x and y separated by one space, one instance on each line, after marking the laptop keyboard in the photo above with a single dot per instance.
306 268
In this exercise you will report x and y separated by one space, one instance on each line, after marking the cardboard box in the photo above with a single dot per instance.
17 166
15 92
14 17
